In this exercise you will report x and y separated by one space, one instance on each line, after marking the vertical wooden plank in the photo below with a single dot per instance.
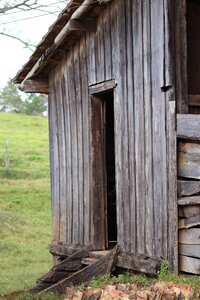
51 112
115 23
78 95
181 56
75 161
139 125
62 160
131 128
171 137
99 51
55 205
85 70
159 132
91 58
74 166
124 9
172 188
149 197
107 43
68 196
169 9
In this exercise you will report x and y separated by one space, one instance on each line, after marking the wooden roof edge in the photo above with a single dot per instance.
57 33
66 14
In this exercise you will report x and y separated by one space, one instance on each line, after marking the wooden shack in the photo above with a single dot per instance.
123 79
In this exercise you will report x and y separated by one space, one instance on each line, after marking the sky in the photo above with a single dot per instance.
13 54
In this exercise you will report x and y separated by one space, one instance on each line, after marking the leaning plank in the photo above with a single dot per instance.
189 236
61 271
189 222
102 266
189 211
189 160
139 263
62 249
189 250
189 200
189 264
188 126
188 188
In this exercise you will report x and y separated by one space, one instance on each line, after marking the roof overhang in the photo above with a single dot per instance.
78 17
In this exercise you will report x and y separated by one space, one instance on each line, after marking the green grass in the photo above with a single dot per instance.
25 226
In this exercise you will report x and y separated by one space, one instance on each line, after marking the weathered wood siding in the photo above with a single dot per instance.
130 46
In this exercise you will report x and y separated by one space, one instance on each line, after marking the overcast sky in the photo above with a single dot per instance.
13 54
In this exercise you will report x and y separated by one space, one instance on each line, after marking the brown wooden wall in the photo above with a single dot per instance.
131 46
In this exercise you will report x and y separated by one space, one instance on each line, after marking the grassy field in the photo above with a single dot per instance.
25 228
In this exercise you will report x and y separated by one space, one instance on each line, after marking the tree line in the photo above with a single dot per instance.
12 101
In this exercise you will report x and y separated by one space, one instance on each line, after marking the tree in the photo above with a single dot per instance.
11 7
22 5
34 104
10 99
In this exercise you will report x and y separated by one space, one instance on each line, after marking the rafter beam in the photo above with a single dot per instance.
83 25
35 86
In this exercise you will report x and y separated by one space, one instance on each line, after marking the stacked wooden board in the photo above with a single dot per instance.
189 206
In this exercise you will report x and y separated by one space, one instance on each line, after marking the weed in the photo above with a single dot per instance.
47 296
165 275
121 278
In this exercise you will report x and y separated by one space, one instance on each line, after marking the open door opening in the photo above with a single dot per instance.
110 170
193 61
103 185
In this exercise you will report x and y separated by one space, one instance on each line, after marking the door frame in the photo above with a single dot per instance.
98 179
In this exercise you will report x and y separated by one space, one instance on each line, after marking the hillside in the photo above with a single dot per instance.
25 228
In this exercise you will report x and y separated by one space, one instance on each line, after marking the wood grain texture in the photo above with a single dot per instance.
97 173
86 142
158 128
35 86
189 200
102 266
180 39
138 263
149 205
189 264
139 126
129 54
189 236
172 188
188 126
62 163
189 160
189 222
189 250
131 126
188 188
189 211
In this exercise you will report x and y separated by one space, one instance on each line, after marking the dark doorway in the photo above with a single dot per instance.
193 57
103 185
110 168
